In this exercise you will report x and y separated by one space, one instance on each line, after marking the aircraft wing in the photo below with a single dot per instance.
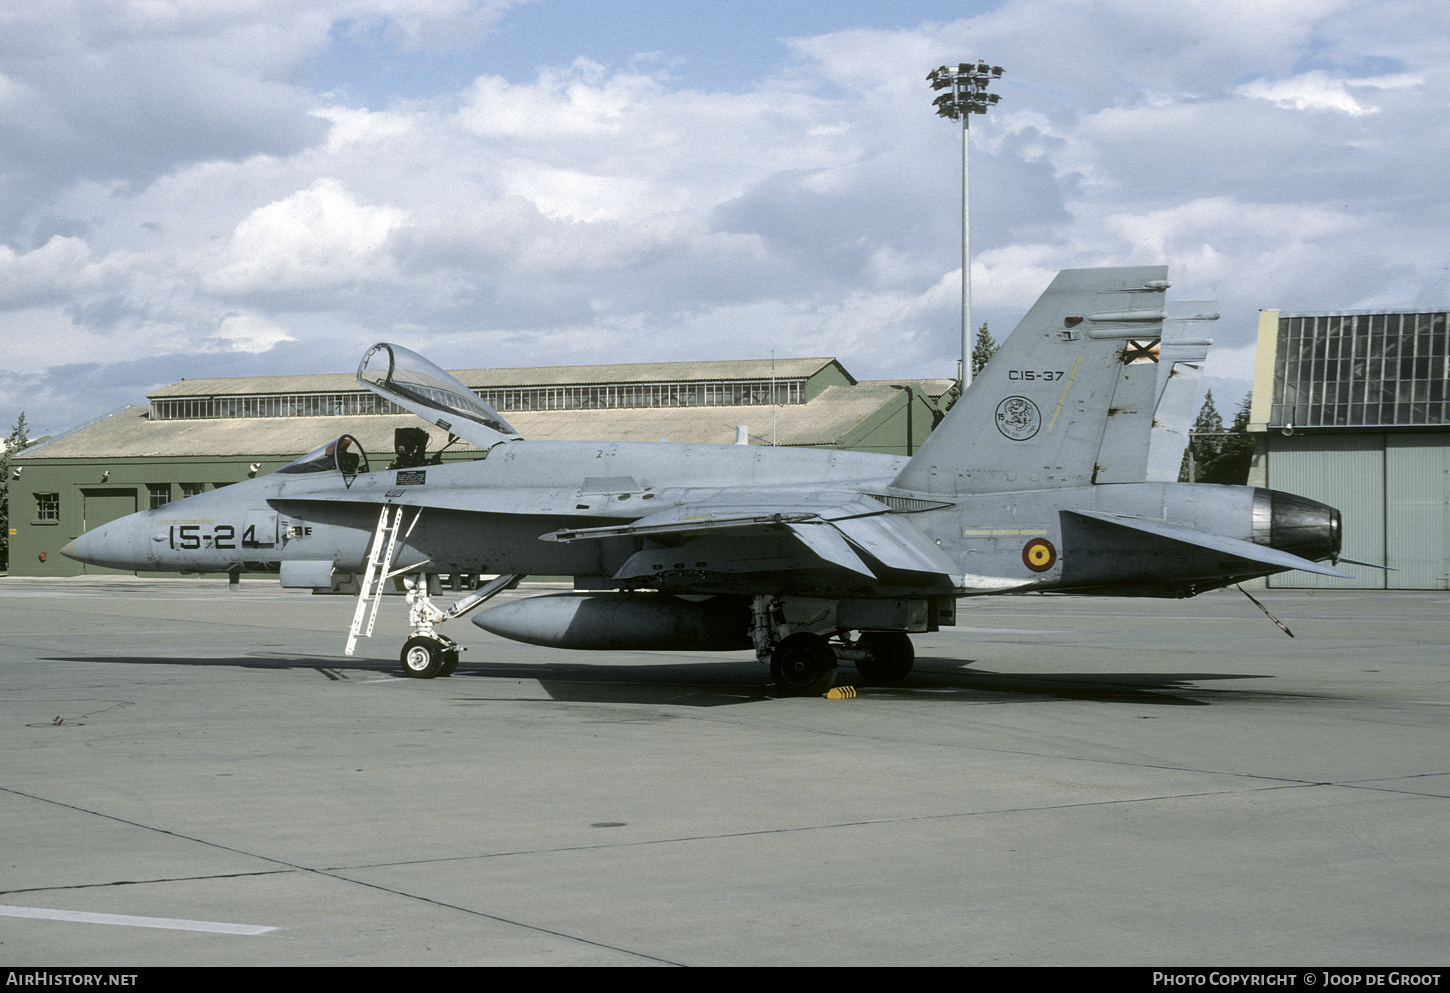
1218 543
837 534
675 524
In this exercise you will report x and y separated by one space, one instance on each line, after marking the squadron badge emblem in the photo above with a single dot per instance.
1018 418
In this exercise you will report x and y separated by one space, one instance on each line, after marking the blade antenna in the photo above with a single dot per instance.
1282 626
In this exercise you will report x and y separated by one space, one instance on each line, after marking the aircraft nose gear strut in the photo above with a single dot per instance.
426 653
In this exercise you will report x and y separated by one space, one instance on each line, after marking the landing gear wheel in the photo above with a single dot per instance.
803 665
424 658
891 658
450 662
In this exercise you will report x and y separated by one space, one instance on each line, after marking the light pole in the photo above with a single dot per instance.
966 86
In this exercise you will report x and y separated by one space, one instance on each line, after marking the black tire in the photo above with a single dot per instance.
423 658
450 662
891 658
803 665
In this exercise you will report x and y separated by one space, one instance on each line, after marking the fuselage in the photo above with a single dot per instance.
488 515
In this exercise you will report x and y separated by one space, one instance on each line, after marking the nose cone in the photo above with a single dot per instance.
121 544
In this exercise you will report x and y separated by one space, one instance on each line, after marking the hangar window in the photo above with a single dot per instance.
192 489
47 506
602 396
1362 370
160 494
628 395
345 404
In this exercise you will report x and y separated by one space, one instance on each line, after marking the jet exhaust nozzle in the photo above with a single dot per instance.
1296 524
623 622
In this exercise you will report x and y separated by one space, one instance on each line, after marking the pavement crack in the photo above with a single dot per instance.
833 826
144 882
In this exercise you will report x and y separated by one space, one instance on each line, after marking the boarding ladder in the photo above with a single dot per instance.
380 560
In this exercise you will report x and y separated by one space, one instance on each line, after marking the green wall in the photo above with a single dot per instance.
95 491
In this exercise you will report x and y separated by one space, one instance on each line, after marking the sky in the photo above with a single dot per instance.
192 188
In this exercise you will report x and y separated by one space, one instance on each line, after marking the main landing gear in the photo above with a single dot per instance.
803 662
803 665
889 658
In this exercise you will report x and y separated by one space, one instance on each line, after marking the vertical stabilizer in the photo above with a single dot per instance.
1036 416
1180 367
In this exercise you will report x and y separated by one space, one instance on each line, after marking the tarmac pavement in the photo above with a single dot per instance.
1063 781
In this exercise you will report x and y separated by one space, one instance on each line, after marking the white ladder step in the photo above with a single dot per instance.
380 558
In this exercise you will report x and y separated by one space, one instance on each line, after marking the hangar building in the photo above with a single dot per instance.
199 434
1353 408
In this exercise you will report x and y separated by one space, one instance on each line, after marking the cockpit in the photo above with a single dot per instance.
344 455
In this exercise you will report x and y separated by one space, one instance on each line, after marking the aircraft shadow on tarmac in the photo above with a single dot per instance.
714 683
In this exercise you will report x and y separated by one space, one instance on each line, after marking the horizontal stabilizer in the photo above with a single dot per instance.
1218 543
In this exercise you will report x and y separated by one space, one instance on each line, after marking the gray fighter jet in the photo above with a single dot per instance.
1037 480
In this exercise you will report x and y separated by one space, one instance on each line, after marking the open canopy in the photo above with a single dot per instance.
415 384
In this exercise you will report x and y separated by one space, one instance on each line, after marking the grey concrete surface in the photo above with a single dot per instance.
1064 781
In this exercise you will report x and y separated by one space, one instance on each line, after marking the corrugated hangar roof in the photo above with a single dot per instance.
835 412
647 372
479 379
822 421
131 433
934 388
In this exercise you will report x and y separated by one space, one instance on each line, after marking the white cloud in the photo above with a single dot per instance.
584 103
1317 91
573 195
58 267
250 333
1235 363
316 238
360 126
168 186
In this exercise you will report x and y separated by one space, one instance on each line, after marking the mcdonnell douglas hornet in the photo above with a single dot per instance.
1037 480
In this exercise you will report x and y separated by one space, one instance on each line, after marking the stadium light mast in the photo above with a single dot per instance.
966 94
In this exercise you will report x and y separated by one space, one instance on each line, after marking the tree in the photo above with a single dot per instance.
13 444
1235 451
986 346
982 351
1204 443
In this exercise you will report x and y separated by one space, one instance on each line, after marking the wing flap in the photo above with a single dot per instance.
827 542
897 544
691 524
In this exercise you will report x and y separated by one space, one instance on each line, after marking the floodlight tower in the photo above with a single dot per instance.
966 94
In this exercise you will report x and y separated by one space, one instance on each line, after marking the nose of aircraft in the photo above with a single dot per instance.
121 544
